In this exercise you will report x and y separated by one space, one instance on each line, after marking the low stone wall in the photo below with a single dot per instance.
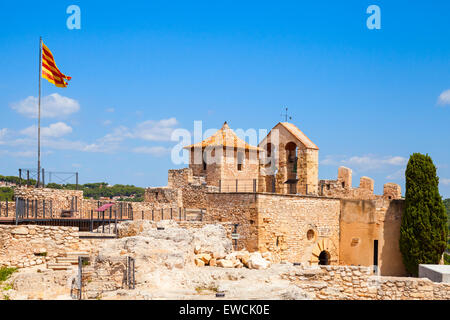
28 245
359 283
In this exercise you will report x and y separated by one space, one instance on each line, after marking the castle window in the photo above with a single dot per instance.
240 160
310 234
343 184
204 165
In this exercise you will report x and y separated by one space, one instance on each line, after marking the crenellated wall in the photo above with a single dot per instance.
342 188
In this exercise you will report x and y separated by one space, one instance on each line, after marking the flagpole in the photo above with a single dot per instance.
39 115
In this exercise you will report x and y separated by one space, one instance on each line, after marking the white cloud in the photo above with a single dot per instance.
3 133
397 175
155 130
366 162
52 106
444 98
107 122
23 154
118 134
445 181
110 110
155 151
55 130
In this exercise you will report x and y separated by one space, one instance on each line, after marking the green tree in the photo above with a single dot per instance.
423 231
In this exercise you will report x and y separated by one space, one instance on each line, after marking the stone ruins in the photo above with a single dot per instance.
255 219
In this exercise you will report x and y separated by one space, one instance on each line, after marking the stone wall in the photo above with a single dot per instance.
362 222
7 209
235 208
298 228
342 188
184 190
359 283
28 245
280 223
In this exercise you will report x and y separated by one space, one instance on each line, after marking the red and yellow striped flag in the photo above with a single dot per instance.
50 71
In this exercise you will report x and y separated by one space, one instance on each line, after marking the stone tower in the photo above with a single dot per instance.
290 164
224 158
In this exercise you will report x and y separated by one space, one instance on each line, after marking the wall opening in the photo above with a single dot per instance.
310 234
240 160
324 258
375 255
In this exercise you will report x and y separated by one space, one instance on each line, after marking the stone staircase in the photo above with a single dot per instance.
67 261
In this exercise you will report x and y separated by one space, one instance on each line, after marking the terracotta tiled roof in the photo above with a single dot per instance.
299 135
224 137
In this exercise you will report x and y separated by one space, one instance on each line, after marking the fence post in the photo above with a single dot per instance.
43 178
92 221
43 206
306 189
115 223
7 207
179 214
153 214
171 213
80 276
254 185
201 214
17 213
162 213
134 279
142 214
20 177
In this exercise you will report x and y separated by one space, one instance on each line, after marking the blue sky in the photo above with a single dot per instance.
367 98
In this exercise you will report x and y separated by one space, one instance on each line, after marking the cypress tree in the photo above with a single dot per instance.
423 231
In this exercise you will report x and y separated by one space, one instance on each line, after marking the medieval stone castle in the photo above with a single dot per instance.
273 193
269 194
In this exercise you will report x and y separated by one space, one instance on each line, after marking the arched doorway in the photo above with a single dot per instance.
317 255
324 258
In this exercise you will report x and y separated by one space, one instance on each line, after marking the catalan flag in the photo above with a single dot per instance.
50 71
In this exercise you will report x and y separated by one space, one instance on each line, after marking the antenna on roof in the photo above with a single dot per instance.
286 116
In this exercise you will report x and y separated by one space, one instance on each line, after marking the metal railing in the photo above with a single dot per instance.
79 283
238 185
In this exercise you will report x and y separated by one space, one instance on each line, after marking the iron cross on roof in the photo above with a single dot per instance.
286 116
